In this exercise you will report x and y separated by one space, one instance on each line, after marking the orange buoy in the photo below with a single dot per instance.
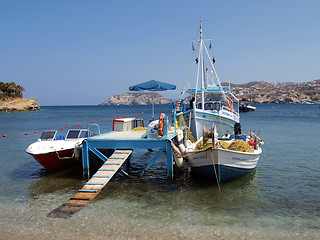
108 118
87 123
61 128
78 125
67 126
3 135
101 120
161 125
50 130
35 131
230 106
25 133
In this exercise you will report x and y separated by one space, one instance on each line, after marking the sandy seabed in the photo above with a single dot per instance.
28 224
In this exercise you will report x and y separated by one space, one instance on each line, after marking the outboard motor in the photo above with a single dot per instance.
237 129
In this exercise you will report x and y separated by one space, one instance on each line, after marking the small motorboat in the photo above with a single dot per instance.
54 151
245 106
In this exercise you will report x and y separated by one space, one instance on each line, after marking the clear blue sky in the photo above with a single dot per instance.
76 52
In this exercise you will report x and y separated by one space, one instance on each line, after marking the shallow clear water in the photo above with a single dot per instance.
280 200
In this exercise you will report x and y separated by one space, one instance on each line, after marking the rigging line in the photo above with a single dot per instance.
189 73
196 92
209 59
215 171
187 80
196 50
219 83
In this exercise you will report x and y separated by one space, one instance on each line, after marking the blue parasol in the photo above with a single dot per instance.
152 85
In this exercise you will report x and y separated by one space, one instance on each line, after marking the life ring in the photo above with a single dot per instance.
178 105
253 143
229 104
160 127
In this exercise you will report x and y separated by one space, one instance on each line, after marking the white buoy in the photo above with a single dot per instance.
177 156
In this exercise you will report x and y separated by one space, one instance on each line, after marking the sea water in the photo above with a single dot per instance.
280 200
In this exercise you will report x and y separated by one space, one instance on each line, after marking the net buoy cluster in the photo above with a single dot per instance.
78 124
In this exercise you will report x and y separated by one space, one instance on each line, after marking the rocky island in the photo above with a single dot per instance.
256 92
11 99
134 98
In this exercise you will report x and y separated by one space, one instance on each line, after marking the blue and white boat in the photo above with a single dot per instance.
215 108
223 164
211 103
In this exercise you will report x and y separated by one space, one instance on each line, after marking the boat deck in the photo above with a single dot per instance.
122 135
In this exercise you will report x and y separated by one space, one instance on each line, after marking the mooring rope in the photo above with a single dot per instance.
215 171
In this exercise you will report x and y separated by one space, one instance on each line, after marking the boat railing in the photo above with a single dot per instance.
93 124
225 108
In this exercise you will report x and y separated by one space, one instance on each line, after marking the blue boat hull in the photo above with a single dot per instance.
226 164
224 173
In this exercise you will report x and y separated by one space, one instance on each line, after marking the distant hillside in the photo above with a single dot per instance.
287 92
257 92
134 98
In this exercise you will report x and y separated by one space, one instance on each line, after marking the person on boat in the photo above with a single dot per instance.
191 102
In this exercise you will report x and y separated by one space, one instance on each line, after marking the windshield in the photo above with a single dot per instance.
48 135
73 134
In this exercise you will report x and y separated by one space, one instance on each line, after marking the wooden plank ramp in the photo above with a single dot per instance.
93 187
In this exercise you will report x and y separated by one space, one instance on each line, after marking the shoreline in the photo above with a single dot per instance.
19 105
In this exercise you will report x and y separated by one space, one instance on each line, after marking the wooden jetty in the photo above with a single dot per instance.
94 186
124 143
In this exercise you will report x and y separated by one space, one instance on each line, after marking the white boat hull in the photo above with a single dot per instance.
228 164
224 122
57 153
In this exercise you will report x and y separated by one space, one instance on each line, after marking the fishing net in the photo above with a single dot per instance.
139 129
238 145
204 146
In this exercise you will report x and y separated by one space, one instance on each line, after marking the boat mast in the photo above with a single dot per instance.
201 63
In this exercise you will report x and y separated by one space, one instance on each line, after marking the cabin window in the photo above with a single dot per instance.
216 106
84 134
208 106
73 134
48 135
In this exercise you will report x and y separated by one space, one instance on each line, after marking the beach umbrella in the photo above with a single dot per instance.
152 86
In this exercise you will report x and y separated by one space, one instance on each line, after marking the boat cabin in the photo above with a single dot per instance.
71 135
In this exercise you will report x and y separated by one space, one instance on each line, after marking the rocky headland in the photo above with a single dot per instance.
134 98
284 92
256 92
19 104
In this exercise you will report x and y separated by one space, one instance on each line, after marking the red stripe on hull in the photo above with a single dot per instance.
52 160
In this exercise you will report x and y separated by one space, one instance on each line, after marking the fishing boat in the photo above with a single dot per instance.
245 106
223 160
210 102
213 112
54 151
